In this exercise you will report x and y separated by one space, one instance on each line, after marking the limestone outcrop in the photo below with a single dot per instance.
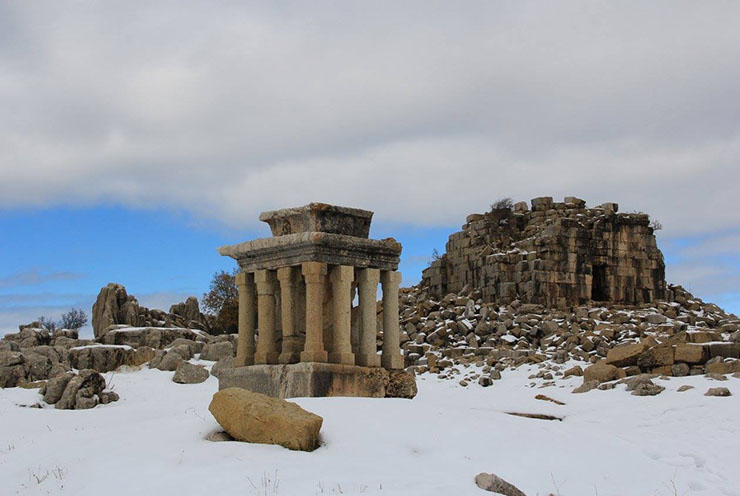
256 418
558 254
114 306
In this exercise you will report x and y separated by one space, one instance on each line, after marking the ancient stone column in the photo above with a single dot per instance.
291 352
247 318
368 289
266 347
341 286
315 275
391 358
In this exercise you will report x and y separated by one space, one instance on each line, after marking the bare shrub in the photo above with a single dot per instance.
74 319
502 203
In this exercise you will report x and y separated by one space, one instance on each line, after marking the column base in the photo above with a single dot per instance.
342 358
314 356
289 357
248 360
368 360
392 362
266 358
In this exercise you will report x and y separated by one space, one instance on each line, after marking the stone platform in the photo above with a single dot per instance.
308 379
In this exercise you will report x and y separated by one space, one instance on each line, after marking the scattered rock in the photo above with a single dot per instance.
718 391
576 371
219 437
485 381
495 484
256 418
647 390
586 387
547 398
188 373
685 387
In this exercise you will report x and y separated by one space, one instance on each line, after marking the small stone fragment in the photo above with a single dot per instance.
718 391
495 484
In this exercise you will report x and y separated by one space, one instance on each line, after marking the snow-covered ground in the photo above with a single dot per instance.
153 441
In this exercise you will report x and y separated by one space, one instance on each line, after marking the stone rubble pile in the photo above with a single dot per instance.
680 337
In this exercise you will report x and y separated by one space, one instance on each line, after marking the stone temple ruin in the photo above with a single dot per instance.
558 254
296 291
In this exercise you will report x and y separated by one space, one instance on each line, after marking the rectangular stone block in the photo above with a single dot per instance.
307 380
690 353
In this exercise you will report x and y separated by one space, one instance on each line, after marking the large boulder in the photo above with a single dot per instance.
256 418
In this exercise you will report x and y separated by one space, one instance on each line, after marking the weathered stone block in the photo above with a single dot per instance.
255 418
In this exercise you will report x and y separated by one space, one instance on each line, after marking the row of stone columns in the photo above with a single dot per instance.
257 311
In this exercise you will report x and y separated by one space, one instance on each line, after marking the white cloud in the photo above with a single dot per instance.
421 111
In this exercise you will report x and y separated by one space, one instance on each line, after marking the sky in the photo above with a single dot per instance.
137 137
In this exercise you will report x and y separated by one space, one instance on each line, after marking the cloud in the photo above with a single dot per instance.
421 111
34 277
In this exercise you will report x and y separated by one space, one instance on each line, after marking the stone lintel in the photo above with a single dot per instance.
334 249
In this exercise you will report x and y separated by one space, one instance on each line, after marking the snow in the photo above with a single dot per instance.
97 345
152 441
136 329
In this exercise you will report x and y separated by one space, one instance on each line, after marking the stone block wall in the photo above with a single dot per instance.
558 254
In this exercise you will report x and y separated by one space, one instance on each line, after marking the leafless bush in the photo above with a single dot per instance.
656 225
502 203
74 319
48 323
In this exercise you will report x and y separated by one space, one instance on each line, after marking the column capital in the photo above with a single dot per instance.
314 272
390 277
342 273
285 275
368 275
241 278
265 280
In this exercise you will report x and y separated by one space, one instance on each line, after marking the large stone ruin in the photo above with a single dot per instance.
557 254
296 291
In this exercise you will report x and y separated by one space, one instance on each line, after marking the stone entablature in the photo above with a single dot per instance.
296 290
558 254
